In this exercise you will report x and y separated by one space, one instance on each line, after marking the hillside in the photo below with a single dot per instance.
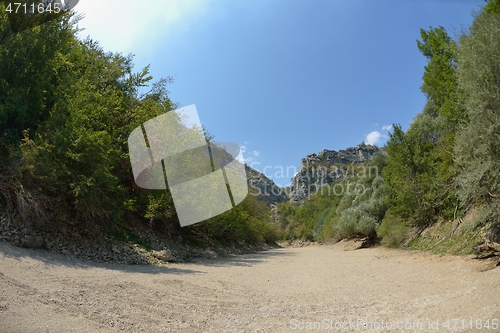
263 188
326 167
67 108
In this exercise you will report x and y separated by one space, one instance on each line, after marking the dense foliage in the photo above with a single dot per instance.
66 110
350 207
445 165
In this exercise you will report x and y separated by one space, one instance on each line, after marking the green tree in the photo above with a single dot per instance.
420 169
493 6
30 66
439 79
67 108
419 172
73 157
478 143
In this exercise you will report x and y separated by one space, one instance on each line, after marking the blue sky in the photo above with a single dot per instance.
283 78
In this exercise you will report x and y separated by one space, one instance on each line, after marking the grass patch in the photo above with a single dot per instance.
448 237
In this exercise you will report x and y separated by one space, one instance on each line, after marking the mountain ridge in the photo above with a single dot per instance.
318 170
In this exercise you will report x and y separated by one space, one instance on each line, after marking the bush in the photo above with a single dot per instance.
477 144
393 231
249 222
308 220
321 221
354 223
359 213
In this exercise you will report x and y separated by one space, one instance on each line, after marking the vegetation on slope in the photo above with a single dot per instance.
67 107
444 167
66 110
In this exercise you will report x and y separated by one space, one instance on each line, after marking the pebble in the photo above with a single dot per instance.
106 249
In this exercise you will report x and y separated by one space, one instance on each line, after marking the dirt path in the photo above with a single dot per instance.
323 288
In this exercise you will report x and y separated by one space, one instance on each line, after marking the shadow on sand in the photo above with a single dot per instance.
195 267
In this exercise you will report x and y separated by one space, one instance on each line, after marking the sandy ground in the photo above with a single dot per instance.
315 288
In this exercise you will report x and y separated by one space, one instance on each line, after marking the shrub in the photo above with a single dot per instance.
393 231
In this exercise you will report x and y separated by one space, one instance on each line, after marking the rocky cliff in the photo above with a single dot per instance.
318 170
264 188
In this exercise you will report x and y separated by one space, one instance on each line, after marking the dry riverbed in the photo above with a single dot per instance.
313 288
